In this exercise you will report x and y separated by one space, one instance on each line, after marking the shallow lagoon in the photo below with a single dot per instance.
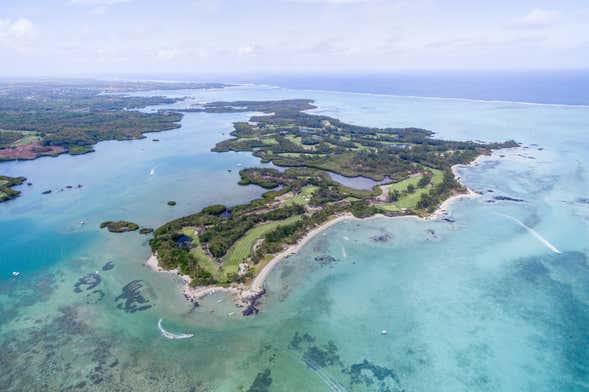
474 305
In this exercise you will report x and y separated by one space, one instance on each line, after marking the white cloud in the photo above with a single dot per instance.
540 18
329 1
16 33
168 54
98 2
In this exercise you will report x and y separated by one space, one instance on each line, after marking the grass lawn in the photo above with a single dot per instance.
203 259
410 200
242 249
269 141
26 137
302 198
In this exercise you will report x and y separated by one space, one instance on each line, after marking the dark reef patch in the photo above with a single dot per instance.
108 266
89 281
550 291
507 198
133 298
262 382
298 339
371 375
323 359
35 359
325 259
95 296
385 237
318 357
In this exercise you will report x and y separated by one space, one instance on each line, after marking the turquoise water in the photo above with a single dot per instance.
476 304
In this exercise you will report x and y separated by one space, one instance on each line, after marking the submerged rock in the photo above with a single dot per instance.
385 237
368 374
89 281
325 259
507 198
249 300
108 266
133 299
262 382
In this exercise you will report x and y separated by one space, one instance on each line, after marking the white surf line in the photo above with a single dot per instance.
533 232
170 335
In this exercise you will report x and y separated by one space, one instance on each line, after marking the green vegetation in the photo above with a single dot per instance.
6 184
51 118
211 245
145 230
405 194
119 226
242 249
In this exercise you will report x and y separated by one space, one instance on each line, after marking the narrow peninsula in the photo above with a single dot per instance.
6 184
235 247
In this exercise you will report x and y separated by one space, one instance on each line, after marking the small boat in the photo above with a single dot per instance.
15 273
384 332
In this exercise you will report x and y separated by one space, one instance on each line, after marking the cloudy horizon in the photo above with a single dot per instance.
60 37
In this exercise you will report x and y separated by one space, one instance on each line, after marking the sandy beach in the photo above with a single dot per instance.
293 249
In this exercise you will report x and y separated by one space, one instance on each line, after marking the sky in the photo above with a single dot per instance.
92 37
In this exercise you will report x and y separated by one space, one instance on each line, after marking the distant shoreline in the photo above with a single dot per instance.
243 292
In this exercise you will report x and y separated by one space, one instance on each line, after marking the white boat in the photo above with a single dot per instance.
15 273
384 332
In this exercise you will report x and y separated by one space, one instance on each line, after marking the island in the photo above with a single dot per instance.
69 117
56 117
6 184
119 226
234 247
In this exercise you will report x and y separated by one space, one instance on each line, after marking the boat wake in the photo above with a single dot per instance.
532 232
344 253
170 335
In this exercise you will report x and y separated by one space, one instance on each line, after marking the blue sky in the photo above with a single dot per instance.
45 37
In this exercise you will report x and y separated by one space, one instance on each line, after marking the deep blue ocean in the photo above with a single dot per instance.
570 87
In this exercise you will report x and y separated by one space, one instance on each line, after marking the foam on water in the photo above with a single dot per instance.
532 232
170 335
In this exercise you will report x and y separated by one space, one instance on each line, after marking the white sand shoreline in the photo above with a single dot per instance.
243 292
